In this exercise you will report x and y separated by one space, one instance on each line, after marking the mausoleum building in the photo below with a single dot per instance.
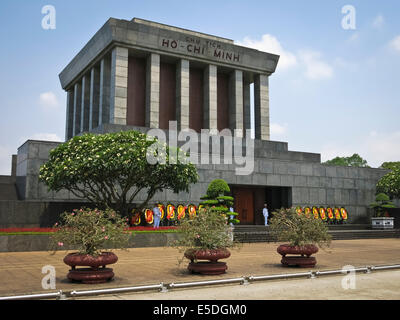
140 75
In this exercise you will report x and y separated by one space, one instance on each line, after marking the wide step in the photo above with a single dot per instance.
249 234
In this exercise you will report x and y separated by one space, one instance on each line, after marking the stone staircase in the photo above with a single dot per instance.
255 233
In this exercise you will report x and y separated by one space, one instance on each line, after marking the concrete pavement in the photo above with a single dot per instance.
379 285
21 272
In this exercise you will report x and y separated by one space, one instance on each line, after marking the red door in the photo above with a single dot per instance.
244 205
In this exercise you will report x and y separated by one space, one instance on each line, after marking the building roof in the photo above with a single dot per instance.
159 38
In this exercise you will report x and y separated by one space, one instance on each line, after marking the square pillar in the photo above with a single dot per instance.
76 127
182 94
94 98
246 107
261 107
69 115
236 102
104 99
85 103
153 90
210 97
119 85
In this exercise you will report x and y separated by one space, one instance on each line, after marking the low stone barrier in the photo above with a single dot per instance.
38 242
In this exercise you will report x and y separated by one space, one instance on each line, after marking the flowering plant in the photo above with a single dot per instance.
91 231
299 230
207 230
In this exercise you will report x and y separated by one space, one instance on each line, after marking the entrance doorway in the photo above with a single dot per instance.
249 201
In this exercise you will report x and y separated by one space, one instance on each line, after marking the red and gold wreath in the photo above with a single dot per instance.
330 213
307 211
181 212
149 216
135 220
192 210
337 214
315 212
170 212
299 210
322 214
343 213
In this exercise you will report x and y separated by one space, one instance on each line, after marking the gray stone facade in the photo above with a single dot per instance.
311 183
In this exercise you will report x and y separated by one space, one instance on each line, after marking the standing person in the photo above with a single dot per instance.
231 217
231 224
157 216
265 214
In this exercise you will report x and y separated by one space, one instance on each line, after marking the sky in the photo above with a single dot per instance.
336 90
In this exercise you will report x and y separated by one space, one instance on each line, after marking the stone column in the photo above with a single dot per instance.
76 127
104 100
85 103
94 98
261 107
119 85
69 115
210 97
246 107
182 94
236 102
153 91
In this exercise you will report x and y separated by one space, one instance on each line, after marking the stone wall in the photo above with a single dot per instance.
311 182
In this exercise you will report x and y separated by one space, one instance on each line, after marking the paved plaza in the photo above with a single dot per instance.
382 285
21 272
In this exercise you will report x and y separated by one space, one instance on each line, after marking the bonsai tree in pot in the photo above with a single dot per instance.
303 233
91 232
381 217
205 236
218 199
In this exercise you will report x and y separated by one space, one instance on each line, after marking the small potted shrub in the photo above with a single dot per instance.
90 232
205 236
382 220
303 235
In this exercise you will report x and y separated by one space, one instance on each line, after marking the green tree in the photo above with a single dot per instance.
354 161
390 183
111 169
381 204
298 229
390 165
219 200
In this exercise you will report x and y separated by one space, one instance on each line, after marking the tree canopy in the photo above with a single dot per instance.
390 165
353 161
110 170
390 184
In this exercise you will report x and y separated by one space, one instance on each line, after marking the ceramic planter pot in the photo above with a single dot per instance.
382 223
302 255
96 271
209 267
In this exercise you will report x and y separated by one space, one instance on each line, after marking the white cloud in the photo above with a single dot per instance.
376 148
278 130
316 69
269 43
48 100
378 22
381 147
395 43
46 137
